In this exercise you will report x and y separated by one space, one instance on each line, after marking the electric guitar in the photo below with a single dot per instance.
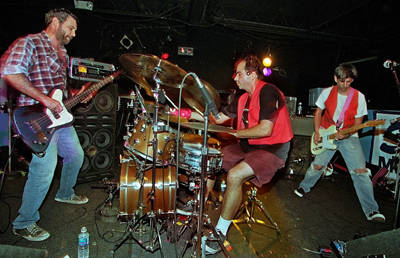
328 135
36 124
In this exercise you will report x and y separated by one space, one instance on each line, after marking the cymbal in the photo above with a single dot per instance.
127 96
194 98
211 127
162 113
141 68
195 138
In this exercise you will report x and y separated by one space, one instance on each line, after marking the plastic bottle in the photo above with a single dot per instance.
83 243
221 193
300 109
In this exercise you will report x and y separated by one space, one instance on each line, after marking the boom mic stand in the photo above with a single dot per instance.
202 220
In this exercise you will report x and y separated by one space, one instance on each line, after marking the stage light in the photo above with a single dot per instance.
164 56
267 71
85 5
267 61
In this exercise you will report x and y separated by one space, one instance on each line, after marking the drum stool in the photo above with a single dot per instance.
245 213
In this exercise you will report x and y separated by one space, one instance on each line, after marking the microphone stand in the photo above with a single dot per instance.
202 218
396 78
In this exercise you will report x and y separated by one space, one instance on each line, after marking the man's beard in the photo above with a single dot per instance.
62 38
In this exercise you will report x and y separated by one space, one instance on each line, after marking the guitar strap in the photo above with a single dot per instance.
345 107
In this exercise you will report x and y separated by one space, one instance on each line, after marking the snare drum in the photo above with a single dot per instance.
190 154
141 142
130 185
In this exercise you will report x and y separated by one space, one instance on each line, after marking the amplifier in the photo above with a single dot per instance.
87 70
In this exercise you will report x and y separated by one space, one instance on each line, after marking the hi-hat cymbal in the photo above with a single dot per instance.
194 98
141 68
211 127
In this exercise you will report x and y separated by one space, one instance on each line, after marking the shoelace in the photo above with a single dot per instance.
34 229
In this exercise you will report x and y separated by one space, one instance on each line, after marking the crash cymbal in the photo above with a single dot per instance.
141 69
194 98
211 127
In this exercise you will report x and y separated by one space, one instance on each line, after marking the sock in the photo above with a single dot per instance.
223 225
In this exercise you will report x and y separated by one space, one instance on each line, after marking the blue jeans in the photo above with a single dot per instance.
65 143
351 151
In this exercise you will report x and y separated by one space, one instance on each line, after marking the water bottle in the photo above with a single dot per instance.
299 109
221 194
83 243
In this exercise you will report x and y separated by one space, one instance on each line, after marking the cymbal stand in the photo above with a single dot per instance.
151 215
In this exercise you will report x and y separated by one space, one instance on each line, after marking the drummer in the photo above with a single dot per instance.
263 131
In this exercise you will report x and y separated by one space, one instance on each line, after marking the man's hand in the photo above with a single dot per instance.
317 138
340 136
83 88
53 105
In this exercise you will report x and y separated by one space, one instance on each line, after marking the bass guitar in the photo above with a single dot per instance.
328 135
36 124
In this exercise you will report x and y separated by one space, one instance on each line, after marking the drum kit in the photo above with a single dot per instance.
156 155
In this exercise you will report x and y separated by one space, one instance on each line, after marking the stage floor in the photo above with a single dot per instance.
331 211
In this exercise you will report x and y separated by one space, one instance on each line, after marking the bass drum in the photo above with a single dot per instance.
131 185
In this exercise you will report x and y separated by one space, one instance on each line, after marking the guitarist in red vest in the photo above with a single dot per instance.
344 107
34 65
263 139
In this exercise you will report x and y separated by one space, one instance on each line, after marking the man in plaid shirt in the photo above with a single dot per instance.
34 65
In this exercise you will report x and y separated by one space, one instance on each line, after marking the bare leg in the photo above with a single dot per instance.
233 194
209 187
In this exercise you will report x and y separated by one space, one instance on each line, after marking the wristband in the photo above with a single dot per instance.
185 112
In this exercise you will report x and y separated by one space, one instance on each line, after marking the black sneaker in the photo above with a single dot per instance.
376 217
32 233
299 192
212 246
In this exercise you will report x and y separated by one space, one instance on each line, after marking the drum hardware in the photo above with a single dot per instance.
145 69
146 211
204 226
106 210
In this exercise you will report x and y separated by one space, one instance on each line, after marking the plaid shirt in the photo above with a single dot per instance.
35 57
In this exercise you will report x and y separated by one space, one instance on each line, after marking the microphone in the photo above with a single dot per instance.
209 101
394 120
390 64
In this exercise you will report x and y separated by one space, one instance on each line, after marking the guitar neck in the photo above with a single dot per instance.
351 129
71 102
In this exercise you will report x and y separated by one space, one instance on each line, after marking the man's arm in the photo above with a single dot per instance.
262 129
21 83
317 124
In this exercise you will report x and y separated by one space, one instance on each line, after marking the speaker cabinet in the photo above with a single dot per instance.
300 157
95 123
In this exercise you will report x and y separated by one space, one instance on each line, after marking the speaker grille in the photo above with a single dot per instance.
95 123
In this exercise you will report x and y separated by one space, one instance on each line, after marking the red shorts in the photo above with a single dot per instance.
263 163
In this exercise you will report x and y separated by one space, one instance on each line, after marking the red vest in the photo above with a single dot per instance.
330 107
282 130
